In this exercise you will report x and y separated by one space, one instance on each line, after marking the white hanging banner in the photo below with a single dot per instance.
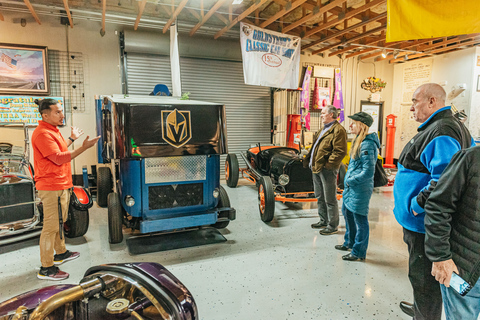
175 61
270 59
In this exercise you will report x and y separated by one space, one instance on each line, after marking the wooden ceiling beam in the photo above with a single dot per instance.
366 50
312 15
67 9
346 30
172 19
282 12
347 16
32 11
210 12
472 42
431 47
141 7
359 45
358 37
305 5
240 17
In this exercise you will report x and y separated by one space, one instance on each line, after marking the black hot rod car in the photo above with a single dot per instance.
278 173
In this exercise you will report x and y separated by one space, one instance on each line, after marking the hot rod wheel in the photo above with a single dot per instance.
223 201
231 170
104 186
77 223
115 218
266 199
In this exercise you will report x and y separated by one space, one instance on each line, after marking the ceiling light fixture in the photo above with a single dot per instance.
406 57
395 54
384 53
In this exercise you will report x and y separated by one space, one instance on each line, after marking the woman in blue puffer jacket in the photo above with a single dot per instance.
359 187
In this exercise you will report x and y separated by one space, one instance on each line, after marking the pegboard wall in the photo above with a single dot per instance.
67 79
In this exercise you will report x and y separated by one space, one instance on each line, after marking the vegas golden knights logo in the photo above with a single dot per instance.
177 129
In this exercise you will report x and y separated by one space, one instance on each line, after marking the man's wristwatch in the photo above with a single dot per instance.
71 139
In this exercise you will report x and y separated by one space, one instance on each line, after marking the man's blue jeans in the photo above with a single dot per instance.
357 233
458 307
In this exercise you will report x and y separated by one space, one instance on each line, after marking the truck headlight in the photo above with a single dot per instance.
216 193
284 179
129 201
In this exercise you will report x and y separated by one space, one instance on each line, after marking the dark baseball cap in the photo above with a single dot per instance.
363 117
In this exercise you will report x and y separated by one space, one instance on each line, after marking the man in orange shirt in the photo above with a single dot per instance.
53 180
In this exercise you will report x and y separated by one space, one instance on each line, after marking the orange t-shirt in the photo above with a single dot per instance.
46 141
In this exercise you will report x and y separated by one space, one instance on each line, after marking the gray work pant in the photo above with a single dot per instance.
325 187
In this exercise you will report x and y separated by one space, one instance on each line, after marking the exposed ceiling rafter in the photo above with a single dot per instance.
312 15
32 11
346 30
239 18
175 15
207 16
346 16
67 9
141 7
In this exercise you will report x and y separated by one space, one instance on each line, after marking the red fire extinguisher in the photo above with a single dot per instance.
390 141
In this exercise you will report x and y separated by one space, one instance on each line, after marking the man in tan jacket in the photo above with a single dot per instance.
329 149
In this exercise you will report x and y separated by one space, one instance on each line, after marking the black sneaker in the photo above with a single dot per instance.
328 230
52 273
58 259
341 247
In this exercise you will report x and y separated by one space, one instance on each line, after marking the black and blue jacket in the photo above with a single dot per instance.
421 163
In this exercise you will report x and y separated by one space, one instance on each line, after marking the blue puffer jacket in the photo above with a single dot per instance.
359 178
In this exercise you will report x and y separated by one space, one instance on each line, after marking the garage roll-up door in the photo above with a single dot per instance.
248 108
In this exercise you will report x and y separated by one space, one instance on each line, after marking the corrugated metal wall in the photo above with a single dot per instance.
248 108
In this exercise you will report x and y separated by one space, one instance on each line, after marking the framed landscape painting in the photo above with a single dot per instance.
23 70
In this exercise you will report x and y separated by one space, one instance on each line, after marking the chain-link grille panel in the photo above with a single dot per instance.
175 169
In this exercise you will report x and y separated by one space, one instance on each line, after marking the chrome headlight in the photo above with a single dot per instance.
129 201
216 193
284 179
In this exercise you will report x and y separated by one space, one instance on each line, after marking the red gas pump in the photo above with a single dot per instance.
390 141
294 129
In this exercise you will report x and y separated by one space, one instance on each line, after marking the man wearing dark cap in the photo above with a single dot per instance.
329 148
420 165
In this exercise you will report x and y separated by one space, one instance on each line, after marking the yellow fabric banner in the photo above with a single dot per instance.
423 19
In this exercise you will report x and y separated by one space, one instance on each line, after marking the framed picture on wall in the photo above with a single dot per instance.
375 109
24 70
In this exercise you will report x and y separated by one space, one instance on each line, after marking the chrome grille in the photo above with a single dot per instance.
175 169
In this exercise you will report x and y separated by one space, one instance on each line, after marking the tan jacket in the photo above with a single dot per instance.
330 150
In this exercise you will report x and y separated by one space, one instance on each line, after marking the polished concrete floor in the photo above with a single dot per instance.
280 270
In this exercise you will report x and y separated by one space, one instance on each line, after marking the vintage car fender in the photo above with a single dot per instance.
81 199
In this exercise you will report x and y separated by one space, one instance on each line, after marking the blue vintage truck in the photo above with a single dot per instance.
163 164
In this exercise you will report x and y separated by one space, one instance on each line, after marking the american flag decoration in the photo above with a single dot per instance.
12 63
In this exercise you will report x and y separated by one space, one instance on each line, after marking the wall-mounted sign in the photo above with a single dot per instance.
22 109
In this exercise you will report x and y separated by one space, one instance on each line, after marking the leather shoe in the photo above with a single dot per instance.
341 247
407 308
351 257
319 225
328 231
